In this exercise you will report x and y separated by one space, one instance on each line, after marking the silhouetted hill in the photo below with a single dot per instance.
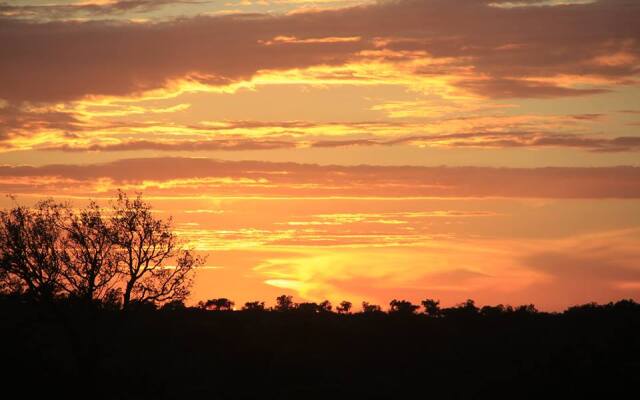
73 349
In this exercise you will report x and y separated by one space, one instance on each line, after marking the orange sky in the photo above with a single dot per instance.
355 150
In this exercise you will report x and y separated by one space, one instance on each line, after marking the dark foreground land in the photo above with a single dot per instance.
74 350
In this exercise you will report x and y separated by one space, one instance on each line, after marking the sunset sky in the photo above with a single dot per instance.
347 149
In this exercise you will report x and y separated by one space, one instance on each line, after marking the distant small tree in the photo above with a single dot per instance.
325 306
221 304
469 306
174 305
526 309
489 311
431 307
370 308
402 307
284 303
626 304
344 307
254 306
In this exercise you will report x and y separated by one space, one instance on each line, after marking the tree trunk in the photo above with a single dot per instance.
127 295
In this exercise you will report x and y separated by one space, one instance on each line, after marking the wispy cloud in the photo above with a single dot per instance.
103 8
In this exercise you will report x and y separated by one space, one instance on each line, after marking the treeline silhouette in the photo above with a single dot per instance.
430 307
70 348
92 307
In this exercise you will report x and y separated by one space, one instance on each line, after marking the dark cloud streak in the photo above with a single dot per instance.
471 139
293 179
60 61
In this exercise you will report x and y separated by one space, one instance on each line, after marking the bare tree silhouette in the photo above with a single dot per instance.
51 250
89 254
30 257
145 246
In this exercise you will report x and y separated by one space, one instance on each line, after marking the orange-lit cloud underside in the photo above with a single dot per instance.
484 149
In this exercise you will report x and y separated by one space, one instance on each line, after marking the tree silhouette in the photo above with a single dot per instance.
221 304
325 306
431 307
465 309
254 306
370 308
89 254
402 307
284 303
500 309
145 246
526 309
174 305
30 258
50 250
469 306
344 307
314 308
